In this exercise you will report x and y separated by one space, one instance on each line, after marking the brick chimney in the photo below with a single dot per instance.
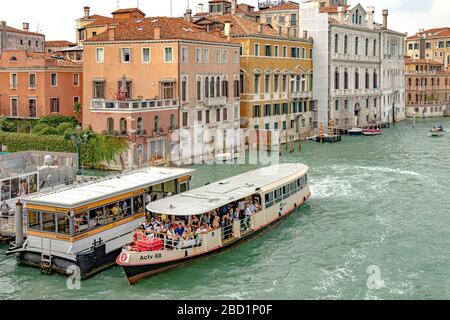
26 26
157 32
370 15
233 6
87 11
188 15
111 32
305 34
341 14
261 29
385 18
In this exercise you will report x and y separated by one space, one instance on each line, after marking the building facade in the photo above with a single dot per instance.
158 82
20 39
352 53
33 85
284 15
427 88
433 44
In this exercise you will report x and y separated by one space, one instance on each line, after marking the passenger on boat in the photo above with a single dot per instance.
216 222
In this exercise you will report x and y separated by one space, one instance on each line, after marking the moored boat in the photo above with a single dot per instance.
213 218
355 131
85 226
372 131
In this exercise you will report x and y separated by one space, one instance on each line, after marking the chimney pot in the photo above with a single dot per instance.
227 28
25 26
305 34
261 29
385 18
157 32
233 6
111 32
87 12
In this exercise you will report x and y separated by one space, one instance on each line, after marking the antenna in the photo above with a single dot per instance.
170 8
118 4
137 4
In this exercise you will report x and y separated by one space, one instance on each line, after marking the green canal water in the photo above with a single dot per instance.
379 203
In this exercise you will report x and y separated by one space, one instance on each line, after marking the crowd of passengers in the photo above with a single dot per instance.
189 227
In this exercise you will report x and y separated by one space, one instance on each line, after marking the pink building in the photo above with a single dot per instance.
147 77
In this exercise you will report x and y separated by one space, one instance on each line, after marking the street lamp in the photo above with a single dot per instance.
78 140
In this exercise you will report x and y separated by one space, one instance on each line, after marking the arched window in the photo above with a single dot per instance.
417 82
206 87
218 87
199 88
12 59
184 89
375 80
356 16
409 82
345 79
172 121
110 125
140 124
123 126
211 88
438 82
336 79
375 47
356 46
336 43
356 79
367 47
367 79
432 82
345 44
156 124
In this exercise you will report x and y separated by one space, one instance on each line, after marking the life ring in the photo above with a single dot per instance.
123 257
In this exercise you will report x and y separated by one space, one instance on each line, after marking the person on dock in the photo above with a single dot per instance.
5 208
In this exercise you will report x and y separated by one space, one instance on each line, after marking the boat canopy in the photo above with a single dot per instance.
218 194
116 185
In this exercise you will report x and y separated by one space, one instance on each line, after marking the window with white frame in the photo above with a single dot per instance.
218 56
13 80
100 55
168 55
32 80
256 50
236 56
206 55
146 55
125 55
225 56
198 55
14 102
76 79
184 54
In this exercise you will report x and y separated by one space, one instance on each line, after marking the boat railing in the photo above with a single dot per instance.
174 242
227 231
246 223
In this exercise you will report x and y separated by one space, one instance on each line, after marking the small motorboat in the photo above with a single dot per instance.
437 131
355 131
372 131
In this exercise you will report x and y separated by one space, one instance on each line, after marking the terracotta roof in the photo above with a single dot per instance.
128 10
100 22
332 9
59 43
242 26
432 33
171 29
94 17
290 5
422 61
11 29
38 59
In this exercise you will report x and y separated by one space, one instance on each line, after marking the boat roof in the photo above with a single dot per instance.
116 185
220 193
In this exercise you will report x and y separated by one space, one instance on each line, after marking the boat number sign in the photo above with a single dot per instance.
151 256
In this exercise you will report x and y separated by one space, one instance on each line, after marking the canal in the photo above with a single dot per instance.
377 227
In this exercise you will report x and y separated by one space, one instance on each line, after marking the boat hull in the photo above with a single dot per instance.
135 273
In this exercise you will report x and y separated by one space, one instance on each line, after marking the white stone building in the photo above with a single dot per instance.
352 53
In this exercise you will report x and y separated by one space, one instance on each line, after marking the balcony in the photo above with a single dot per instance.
217 101
132 105
300 95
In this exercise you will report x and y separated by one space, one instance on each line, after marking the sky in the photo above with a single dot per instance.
56 18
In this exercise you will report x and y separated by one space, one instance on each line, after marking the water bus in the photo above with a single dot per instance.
87 225
273 192
372 131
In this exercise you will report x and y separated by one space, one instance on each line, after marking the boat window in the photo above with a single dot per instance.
63 224
158 188
81 222
48 222
278 195
138 204
183 187
169 186
293 187
299 183
269 200
285 191
34 220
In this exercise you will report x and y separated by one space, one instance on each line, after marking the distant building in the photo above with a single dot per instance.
281 14
358 65
427 88
20 39
275 77
33 85
55 46
146 78
433 44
